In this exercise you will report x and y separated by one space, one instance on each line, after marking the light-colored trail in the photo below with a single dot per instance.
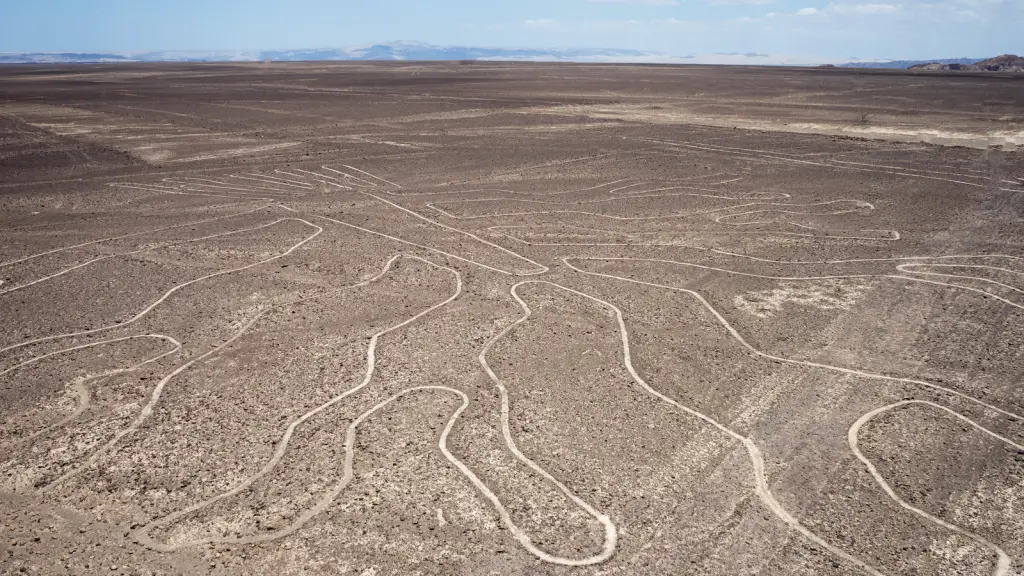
766 155
354 180
264 180
172 191
739 338
142 536
639 195
1003 560
315 176
900 267
540 268
420 246
745 256
79 385
892 236
142 313
282 445
389 183
132 235
646 218
147 410
220 185
133 252
762 489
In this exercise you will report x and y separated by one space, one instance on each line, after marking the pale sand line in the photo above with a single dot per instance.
324 178
900 267
317 177
506 191
167 294
139 251
180 193
147 410
960 175
141 535
641 218
632 193
762 489
202 187
262 181
763 155
736 335
79 386
420 246
745 256
286 180
893 235
542 270
365 183
211 183
132 235
1003 562
372 176
834 277
275 180
904 268
641 194
718 219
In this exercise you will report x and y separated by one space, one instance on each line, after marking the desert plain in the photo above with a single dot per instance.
493 318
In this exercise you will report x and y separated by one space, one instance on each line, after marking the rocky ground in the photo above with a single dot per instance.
510 319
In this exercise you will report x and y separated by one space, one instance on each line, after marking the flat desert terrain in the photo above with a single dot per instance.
493 318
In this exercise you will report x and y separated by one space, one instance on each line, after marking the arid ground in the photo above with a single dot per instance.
482 318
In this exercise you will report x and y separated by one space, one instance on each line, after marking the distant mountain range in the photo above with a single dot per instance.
421 51
908 63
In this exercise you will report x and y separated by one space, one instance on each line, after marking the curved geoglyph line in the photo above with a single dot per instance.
132 235
1003 560
282 445
79 385
762 489
541 268
900 267
147 410
766 155
643 218
141 535
739 338
133 252
138 316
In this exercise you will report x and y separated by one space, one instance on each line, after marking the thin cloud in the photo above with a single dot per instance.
646 2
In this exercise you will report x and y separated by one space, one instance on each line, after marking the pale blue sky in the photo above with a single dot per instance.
814 28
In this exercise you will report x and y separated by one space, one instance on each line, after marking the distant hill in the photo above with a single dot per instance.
904 64
1004 63
383 51
420 51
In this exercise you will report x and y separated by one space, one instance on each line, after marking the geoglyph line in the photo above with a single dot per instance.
132 235
762 489
1003 560
81 390
138 316
147 410
646 218
761 154
542 268
739 338
141 535
139 251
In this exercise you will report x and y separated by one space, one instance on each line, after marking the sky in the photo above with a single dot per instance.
870 29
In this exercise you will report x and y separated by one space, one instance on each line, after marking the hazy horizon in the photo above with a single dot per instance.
823 29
